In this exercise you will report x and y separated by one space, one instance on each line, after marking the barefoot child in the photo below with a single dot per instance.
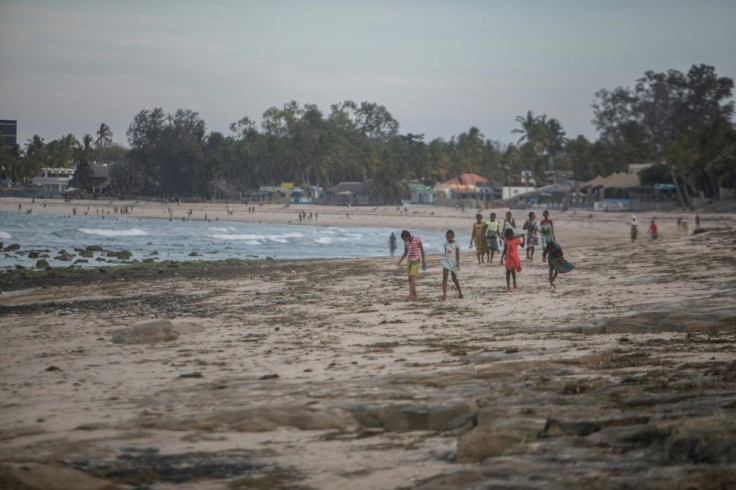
557 263
547 230
532 230
413 252
478 237
513 262
493 234
508 223
451 263
652 230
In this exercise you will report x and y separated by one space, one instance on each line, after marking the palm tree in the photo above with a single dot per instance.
470 148
34 145
104 136
556 140
528 125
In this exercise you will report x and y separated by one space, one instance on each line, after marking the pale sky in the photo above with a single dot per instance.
439 67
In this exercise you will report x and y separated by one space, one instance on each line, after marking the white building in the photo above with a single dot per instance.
53 181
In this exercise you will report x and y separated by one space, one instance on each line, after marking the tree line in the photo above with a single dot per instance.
680 121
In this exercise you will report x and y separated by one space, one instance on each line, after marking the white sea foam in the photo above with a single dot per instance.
112 233
239 237
5 235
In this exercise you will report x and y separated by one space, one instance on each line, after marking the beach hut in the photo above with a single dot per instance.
624 190
351 193
419 193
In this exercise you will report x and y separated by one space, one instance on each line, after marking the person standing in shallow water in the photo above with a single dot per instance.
392 244
478 237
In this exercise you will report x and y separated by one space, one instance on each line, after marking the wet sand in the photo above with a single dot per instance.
317 374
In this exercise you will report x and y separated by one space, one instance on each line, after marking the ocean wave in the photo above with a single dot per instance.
257 239
245 237
111 233
5 236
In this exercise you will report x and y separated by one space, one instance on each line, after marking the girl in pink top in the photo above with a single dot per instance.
413 252
513 262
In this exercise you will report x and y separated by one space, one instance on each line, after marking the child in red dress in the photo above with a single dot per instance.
513 262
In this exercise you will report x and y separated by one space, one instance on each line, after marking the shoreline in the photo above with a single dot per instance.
583 227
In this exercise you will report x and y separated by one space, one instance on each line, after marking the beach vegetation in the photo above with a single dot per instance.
680 121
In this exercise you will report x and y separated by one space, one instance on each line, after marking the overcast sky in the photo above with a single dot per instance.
439 67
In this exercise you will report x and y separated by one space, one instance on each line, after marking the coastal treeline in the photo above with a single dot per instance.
681 121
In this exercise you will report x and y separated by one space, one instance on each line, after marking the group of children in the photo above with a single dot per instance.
485 237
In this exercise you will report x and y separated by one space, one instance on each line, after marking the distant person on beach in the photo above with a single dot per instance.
414 253
547 230
508 223
493 235
451 263
532 234
652 230
513 262
392 244
557 262
634 228
697 221
478 237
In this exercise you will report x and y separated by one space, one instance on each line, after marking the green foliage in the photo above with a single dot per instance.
661 117
683 119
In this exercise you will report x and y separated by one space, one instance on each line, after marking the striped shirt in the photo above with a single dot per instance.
414 254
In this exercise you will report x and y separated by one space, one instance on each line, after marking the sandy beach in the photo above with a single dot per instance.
319 375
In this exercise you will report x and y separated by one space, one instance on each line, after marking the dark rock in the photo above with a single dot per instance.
65 256
36 476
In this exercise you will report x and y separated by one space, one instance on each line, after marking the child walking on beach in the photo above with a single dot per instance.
532 230
413 252
508 223
513 262
652 230
557 263
547 230
493 235
451 263
478 236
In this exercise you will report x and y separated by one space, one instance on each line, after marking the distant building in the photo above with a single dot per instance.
420 193
352 193
9 129
54 181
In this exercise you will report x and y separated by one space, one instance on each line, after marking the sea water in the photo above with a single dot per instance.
160 239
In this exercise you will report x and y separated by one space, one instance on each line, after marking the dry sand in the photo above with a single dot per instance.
317 374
